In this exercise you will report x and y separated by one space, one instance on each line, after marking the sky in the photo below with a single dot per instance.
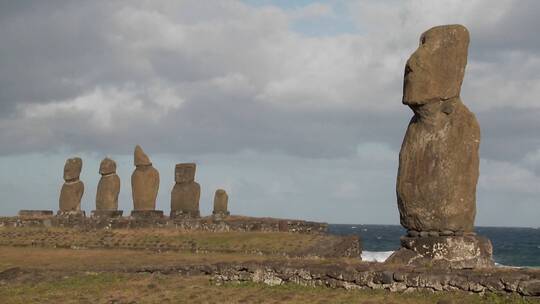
293 107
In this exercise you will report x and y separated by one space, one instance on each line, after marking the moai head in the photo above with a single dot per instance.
140 158
107 166
72 169
185 173
435 70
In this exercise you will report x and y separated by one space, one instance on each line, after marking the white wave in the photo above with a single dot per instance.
376 256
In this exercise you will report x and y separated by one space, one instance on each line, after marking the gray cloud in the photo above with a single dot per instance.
194 78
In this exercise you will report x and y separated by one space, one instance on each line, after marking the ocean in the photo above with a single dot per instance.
518 247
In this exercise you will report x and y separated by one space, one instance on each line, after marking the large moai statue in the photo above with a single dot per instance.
144 186
72 189
186 192
107 190
221 201
439 161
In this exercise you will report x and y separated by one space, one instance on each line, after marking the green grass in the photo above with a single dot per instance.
155 288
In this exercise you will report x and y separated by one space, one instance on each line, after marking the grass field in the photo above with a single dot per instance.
46 275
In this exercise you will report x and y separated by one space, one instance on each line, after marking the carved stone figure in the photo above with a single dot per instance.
144 182
221 200
73 189
186 192
439 161
107 190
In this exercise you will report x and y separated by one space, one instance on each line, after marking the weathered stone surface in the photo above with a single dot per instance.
140 158
73 189
221 200
72 169
438 163
144 182
108 187
35 213
456 252
186 192
107 166
105 213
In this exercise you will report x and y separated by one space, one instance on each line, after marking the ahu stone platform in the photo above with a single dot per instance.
44 218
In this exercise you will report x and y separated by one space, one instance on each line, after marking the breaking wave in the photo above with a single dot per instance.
376 256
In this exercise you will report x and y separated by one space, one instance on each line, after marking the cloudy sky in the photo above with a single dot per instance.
294 109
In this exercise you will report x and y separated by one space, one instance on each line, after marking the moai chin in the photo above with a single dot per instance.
107 190
221 200
439 161
72 189
144 182
186 192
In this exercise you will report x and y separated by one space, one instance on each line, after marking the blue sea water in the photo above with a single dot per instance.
511 246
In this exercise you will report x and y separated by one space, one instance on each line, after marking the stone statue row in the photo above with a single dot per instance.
185 194
438 164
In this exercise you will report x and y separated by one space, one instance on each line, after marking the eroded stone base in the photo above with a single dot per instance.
146 214
220 215
185 214
71 214
456 252
106 213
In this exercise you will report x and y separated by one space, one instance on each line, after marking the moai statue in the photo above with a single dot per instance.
107 190
186 192
73 189
439 161
221 200
144 186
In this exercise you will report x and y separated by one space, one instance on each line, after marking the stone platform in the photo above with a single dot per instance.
106 213
185 214
35 213
454 252
147 214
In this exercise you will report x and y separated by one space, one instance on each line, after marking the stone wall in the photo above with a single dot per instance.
525 282
230 223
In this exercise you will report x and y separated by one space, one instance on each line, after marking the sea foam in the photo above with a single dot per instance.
376 256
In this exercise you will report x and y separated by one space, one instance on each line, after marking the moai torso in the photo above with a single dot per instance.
108 186
438 162
186 192
73 189
144 182
221 200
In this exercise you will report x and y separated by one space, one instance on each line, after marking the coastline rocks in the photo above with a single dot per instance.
439 161
221 200
73 189
107 191
144 182
186 192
